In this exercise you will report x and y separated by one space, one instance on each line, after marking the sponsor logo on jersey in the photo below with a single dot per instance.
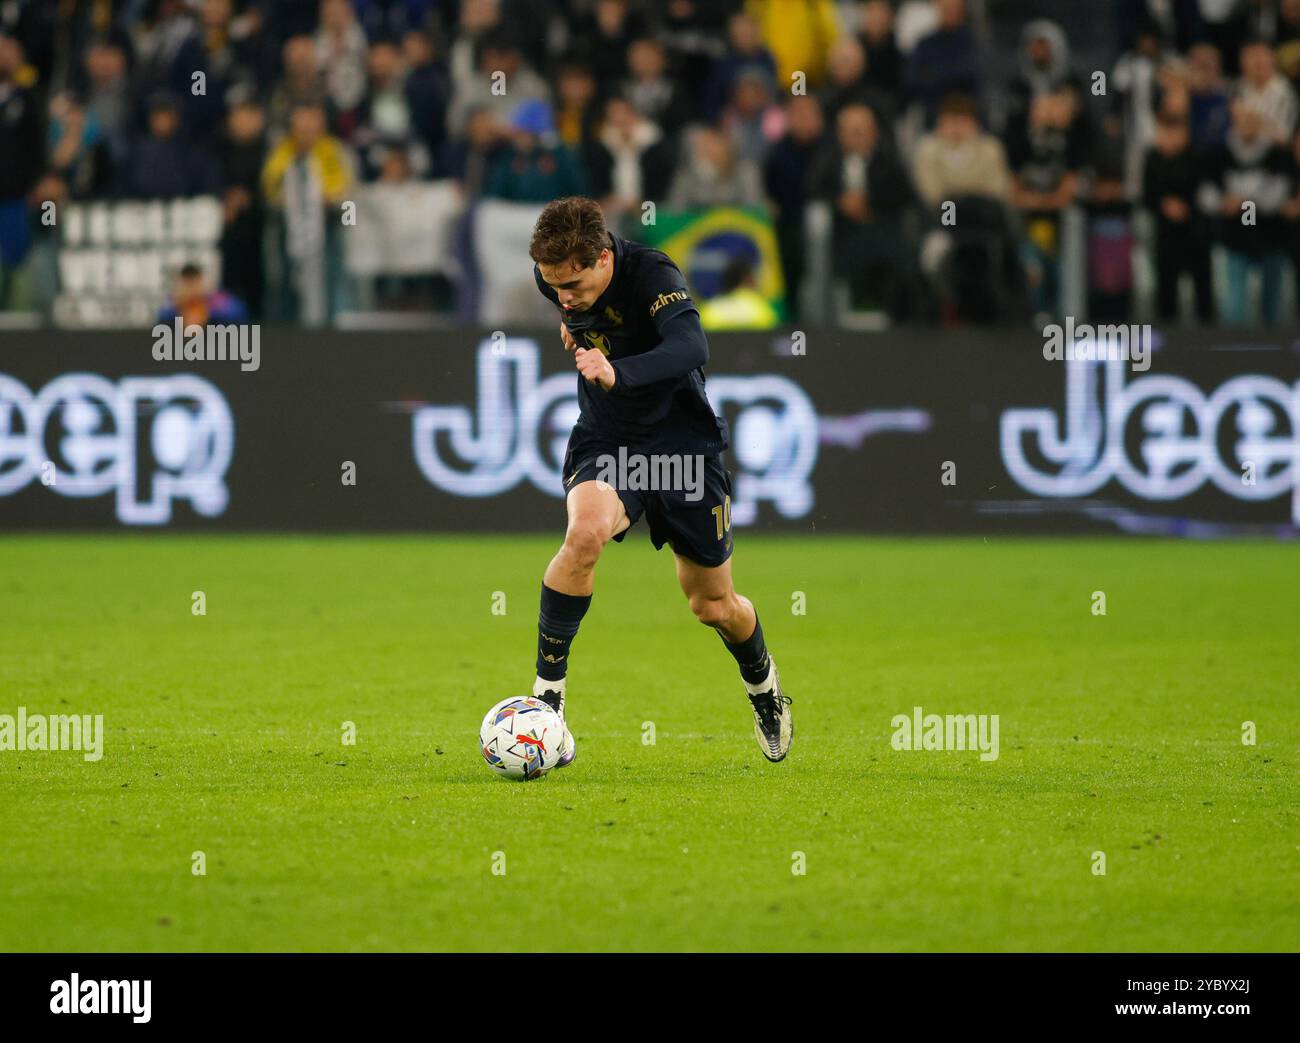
667 298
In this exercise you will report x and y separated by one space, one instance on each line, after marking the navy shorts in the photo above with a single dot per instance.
697 529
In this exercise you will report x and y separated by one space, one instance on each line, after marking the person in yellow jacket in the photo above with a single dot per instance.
305 178
740 306
326 156
799 33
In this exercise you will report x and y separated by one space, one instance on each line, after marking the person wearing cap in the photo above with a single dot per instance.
535 167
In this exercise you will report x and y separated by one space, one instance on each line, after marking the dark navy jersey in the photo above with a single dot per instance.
648 327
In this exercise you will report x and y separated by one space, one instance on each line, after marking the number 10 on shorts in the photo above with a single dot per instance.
722 516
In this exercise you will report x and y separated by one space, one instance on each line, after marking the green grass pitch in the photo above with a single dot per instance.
1119 734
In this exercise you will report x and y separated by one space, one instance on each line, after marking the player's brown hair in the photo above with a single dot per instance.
569 229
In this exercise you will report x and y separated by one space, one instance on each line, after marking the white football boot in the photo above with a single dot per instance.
773 725
552 694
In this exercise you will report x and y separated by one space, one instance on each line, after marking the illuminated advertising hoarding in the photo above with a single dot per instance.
465 431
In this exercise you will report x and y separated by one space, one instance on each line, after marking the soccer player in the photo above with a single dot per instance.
628 318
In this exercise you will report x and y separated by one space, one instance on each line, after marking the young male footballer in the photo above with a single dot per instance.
635 335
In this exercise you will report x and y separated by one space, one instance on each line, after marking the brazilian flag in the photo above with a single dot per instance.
702 243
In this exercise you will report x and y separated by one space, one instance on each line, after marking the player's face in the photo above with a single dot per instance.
578 289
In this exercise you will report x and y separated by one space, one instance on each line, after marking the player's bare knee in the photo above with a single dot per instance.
583 543
712 612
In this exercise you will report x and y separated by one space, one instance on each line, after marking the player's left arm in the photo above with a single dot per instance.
683 346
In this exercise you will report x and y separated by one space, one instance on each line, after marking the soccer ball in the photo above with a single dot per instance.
522 738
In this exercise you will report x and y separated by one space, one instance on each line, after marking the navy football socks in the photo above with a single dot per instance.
557 625
751 654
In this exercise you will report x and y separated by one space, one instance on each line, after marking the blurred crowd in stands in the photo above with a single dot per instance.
947 153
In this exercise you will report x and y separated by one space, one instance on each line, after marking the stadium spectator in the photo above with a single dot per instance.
745 52
847 84
799 37
20 145
163 35
1250 180
694 32
785 177
876 35
224 54
652 88
479 20
1044 65
1173 89
535 167
710 174
639 159
467 158
1266 91
740 306
197 304
1108 216
752 120
38 284
968 257
241 153
384 116
943 62
959 158
301 84
1044 69
1209 97
165 163
1045 182
604 36
577 110
306 177
500 62
868 190
78 152
1134 86
341 56
428 93
108 98
1170 184
577 121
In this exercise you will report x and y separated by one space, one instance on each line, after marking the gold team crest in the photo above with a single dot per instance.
598 341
